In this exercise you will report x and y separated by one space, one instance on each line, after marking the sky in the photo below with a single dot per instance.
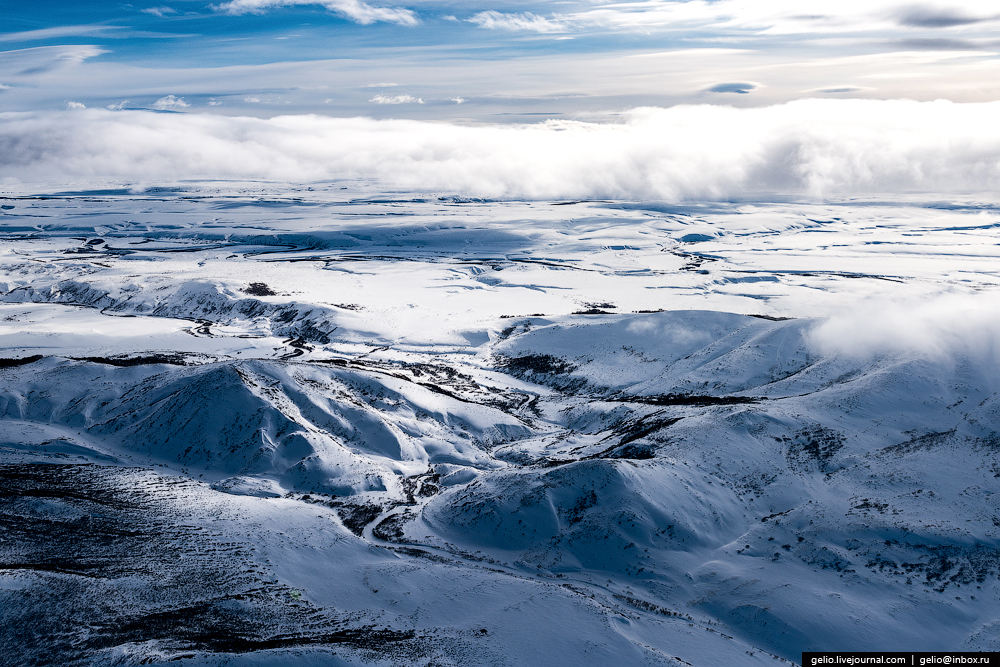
489 60
663 99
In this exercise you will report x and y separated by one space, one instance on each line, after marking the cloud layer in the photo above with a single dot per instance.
355 10
822 148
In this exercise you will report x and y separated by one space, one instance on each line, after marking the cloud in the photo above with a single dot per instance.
75 105
117 107
63 31
935 17
396 99
355 10
940 44
777 17
458 100
170 102
381 85
939 327
159 11
742 88
840 89
45 59
493 20
90 30
828 148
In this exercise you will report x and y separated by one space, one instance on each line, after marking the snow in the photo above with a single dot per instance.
405 430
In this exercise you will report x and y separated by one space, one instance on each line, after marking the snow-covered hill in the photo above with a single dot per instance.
314 427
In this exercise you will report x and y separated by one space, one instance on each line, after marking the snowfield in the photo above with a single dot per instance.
243 424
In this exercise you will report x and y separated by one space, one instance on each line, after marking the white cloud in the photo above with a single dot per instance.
89 30
937 327
396 99
355 10
458 100
46 59
170 102
493 20
813 148
381 85
774 16
75 105
159 11
118 107
62 31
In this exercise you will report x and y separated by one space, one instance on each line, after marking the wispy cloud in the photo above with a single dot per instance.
815 148
90 30
63 31
773 17
45 59
526 21
159 11
355 10
396 99
941 44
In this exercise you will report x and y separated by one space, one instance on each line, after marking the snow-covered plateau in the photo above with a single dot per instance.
243 424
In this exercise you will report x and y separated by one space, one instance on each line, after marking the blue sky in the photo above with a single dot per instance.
489 60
